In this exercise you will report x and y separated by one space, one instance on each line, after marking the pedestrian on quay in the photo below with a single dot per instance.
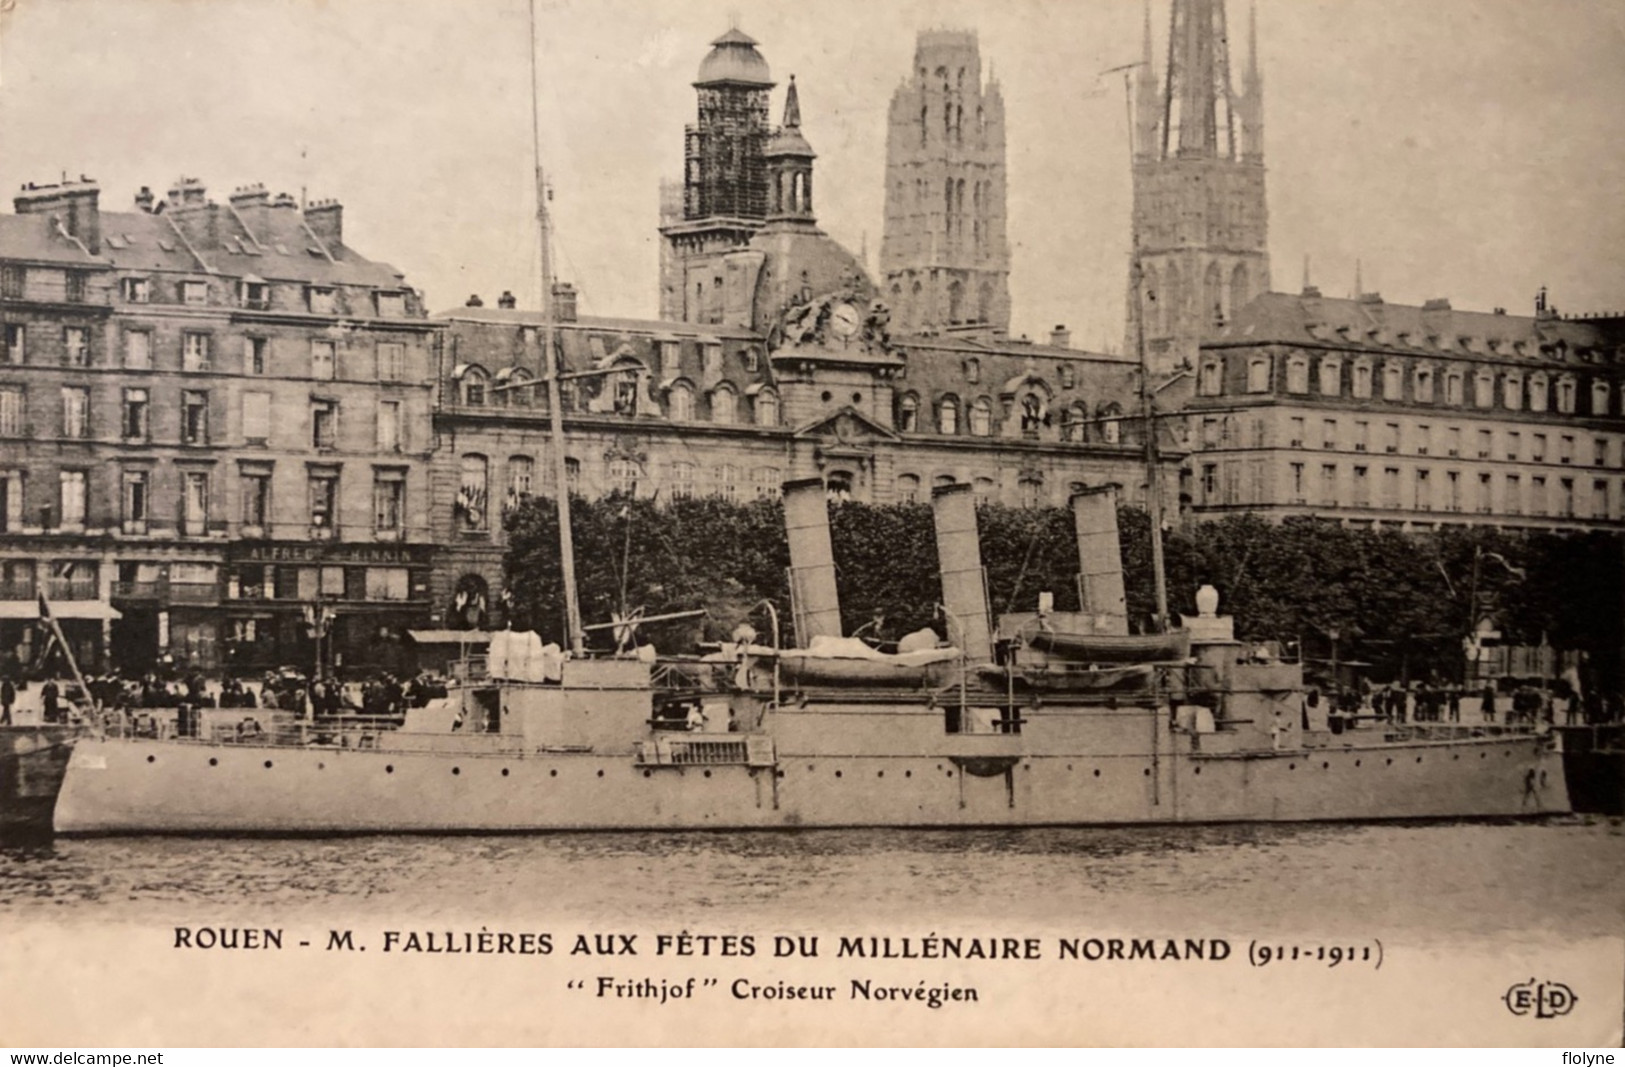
8 697
48 700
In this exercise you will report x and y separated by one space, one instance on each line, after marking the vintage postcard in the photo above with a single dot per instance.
534 522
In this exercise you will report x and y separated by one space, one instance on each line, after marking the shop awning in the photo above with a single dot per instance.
449 637
62 609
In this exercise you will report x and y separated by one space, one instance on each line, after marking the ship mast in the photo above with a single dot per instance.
550 372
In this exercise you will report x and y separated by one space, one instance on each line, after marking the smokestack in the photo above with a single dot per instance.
959 561
1100 558
815 604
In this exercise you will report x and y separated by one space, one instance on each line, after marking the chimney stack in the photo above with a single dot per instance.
814 601
959 562
194 214
507 300
1060 337
1100 558
564 302
144 199
326 220
253 206
75 204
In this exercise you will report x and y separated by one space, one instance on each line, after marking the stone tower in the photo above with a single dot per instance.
944 257
726 180
1199 213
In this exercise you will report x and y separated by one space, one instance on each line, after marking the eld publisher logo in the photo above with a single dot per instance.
1545 1000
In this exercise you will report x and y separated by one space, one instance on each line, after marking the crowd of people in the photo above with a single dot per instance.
1432 701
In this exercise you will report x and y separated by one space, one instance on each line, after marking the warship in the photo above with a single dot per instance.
1032 719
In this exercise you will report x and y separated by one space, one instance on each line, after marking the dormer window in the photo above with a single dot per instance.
1211 379
256 295
1538 387
1331 376
1512 391
195 293
1362 379
320 299
1424 385
1393 380
1297 374
391 305
136 290
1566 391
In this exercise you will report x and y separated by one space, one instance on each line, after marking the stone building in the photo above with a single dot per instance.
1373 413
212 417
944 258
1200 216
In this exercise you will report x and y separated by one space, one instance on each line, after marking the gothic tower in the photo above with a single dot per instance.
726 184
1199 213
944 256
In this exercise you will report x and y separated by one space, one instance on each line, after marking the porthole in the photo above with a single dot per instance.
389 768
1097 772
267 764
504 772
152 759
1291 766
837 774
1390 761
321 766
1419 759
1198 770
1456 756
1356 763
212 761
908 774
645 773
880 774
553 773
1325 766
456 770
600 774
1146 772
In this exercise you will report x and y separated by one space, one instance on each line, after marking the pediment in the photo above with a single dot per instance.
847 425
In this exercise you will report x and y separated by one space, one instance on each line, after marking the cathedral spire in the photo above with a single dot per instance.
792 107
1198 109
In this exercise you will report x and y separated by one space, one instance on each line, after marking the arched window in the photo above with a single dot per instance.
473 387
942 480
973 370
1567 389
1599 397
1258 374
680 403
520 395
1240 289
767 408
1032 490
981 417
1111 431
908 488
1539 390
908 413
956 301
1297 374
1032 415
1512 391
1484 389
838 485
985 488
521 482
1393 380
1213 294
469 508
626 393
1331 376
1424 384
1076 419
1361 382
1453 388
723 405
1211 379
948 415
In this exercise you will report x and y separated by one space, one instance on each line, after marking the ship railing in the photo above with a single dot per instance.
751 750
1456 731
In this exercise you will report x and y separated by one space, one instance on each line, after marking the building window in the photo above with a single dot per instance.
134 421
1390 437
324 499
254 295
1514 444
1424 385
133 502
256 418
388 501
623 476
1453 440
626 393
1258 375
948 415
1211 380
13 343
723 406
1424 438
1331 376
1453 388
521 481
1565 498
1297 374
135 290
1328 484
195 351
572 474
1599 398
1032 415
682 479
1362 435
908 413
75 412
389 426
1069 376
1393 381
1600 505
1537 447
195 504
469 508
768 480
388 583
71 498
1328 433
767 408
195 293
1210 480
1424 490
1599 455
320 300
391 361
75 346
838 485
1486 502
11 411
908 488
981 417
727 481
256 490
194 417
973 370
680 403
1483 389
1538 392
1362 380
254 353
1111 431
1566 391
332 579
391 305
1537 495
324 424
1512 391
1362 487
1565 449
1514 495
1390 487
323 360
1453 487
1074 422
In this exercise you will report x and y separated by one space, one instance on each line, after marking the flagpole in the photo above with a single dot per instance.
61 639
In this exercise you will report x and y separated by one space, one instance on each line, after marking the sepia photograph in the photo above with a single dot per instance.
707 523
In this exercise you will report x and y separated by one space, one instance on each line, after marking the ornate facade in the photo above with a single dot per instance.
1200 217
945 259
1367 412
212 417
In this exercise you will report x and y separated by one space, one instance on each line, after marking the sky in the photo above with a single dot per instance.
1468 150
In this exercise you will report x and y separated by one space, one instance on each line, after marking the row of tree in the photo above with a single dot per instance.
1400 602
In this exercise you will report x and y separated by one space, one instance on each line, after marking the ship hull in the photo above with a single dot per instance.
33 763
141 786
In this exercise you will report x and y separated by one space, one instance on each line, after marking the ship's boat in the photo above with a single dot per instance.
846 661
1071 678
1113 648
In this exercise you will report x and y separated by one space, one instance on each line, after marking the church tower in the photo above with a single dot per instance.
944 256
726 183
1200 218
